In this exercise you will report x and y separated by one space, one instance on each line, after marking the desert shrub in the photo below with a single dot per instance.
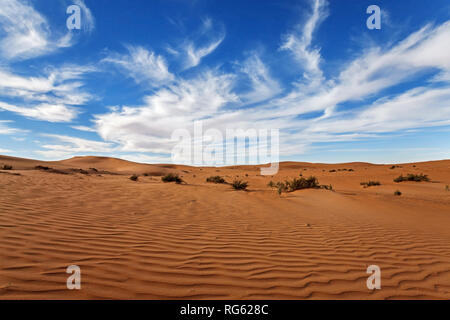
332 170
239 185
280 189
298 184
42 168
215 179
79 171
329 187
370 183
170 177
397 193
51 170
412 177
302 183
281 186
447 188
134 177
7 167
351 170
271 184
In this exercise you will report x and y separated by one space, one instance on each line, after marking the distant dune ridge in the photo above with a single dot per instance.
146 239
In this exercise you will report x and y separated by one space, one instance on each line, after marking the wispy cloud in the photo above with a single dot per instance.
46 112
71 146
210 39
263 86
299 42
149 127
84 128
196 54
6 129
142 65
50 98
26 33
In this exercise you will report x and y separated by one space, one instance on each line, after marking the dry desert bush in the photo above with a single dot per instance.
412 177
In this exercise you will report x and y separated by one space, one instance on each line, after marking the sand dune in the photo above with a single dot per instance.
154 240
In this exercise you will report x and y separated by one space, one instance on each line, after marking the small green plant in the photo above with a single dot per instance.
48 169
271 184
412 177
279 190
7 167
170 177
298 184
329 187
134 177
397 193
215 179
42 168
370 183
239 185
281 186
302 183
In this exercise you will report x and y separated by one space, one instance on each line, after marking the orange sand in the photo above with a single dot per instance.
154 240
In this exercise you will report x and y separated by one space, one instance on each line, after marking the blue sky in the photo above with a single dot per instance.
137 71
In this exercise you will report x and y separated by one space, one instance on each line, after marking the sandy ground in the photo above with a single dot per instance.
154 240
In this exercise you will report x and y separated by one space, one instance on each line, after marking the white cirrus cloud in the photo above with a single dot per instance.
299 42
149 127
209 37
84 128
195 54
142 65
49 98
45 112
25 33
263 85
6 129
71 146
